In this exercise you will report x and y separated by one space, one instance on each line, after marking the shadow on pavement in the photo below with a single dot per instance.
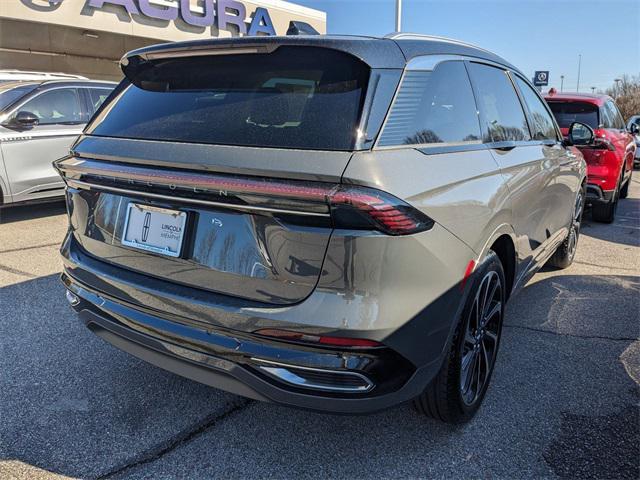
10 214
625 229
74 405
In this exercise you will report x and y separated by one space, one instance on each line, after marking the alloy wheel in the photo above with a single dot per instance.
574 232
481 338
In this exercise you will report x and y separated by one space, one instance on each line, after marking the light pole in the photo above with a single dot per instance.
561 83
579 65
398 15
593 89
617 80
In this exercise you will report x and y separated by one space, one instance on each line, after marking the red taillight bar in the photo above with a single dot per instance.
318 339
352 207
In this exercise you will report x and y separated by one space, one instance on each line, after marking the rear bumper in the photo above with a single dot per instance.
244 363
595 194
240 365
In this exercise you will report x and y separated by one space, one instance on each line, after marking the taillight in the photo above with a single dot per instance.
355 207
600 143
350 207
346 342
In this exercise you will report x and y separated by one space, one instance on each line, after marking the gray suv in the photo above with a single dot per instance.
39 121
332 223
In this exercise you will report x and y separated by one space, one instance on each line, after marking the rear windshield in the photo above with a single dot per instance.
568 112
295 97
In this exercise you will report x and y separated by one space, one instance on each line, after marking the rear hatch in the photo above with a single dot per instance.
215 171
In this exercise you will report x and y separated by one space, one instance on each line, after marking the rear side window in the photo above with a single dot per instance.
57 106
615 118
568 112
500 107
96 97
433 107
295 97
543 127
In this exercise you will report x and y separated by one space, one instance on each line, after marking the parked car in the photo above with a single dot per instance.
634 128
39 120
27 75
318 221
610 159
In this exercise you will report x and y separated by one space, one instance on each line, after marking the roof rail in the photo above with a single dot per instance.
420 36
35 75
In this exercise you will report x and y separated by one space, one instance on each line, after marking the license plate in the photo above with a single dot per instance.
158 230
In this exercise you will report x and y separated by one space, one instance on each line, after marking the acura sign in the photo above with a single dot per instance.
222 13
541 78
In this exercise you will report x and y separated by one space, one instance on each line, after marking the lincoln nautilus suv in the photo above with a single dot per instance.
330 223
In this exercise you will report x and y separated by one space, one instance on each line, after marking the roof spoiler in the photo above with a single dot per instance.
301 28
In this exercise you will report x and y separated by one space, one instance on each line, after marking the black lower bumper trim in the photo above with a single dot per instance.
155 353
595 194
226 372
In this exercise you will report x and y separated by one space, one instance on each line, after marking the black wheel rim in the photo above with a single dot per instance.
572 240
481 338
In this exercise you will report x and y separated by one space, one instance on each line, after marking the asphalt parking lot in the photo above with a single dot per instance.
564 401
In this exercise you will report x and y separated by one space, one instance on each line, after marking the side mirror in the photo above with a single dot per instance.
634 129
581 134
26 119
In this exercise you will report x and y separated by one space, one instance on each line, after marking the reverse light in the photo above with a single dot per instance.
346 342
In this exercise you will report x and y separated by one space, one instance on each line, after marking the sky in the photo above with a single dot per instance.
531 34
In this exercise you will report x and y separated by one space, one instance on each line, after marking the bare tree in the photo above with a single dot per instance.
626 92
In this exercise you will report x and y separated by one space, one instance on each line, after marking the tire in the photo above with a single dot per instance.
566 252
624 191
450 397
606 212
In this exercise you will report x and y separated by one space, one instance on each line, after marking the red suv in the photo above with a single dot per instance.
609 158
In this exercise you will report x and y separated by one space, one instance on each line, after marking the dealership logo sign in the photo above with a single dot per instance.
222 13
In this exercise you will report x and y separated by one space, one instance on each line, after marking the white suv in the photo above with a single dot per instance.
39 120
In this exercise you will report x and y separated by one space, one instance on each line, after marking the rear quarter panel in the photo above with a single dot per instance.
464 192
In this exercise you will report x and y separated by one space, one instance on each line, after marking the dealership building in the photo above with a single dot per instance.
88 37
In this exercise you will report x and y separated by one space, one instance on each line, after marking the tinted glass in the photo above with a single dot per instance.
295 97
543 127
96 97
499 105
57 106
7 97
568 112
608 119
433 107
614 114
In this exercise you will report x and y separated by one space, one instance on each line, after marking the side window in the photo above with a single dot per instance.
618 122
96 97
543 127
58 106
499 105
433 107
607 117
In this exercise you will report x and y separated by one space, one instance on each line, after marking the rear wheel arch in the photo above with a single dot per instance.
505 249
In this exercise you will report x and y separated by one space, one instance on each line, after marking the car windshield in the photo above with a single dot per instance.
295 97
568 112
9 95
